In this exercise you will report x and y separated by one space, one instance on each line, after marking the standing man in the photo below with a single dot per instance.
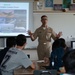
15 58
44 34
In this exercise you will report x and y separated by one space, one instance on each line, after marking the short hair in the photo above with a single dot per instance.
58 43
62 41
43 16
69 61
20 40
10 41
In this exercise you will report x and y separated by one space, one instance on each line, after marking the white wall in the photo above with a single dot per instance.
32 53
64 22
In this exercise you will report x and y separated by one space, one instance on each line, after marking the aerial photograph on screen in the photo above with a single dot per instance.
13 20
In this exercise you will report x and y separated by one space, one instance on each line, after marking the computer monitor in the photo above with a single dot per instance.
73 44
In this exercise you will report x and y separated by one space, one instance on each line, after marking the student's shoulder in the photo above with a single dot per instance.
19 51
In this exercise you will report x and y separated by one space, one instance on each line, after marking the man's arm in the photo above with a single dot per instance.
59 35
33 65
31 35
56 36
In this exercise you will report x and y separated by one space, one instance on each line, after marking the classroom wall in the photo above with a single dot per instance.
64 22
59 21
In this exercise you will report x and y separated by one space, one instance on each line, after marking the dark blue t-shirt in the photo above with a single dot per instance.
56 58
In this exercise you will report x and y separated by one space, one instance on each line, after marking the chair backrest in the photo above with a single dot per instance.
45 72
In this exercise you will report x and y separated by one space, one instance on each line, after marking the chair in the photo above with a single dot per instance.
45 72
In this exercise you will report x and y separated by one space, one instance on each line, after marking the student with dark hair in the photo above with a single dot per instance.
15 58
10 42
58 51
57 54
59 48
63 44
69 61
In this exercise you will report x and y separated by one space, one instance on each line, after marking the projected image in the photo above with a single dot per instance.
13 20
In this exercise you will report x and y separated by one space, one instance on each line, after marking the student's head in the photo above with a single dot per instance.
44 19
21 40
69 61
10 42
58 43
62 41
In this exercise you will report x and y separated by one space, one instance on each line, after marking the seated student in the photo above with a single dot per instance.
56 55
57 44
59 48
63 44
15 58
10 42
69 61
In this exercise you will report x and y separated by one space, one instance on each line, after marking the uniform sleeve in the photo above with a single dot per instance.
35 34
25 61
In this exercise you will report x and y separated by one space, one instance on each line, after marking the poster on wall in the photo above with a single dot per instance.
57 6
72 6
48 3
39 5
66 3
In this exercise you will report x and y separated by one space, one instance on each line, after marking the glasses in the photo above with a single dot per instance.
44 19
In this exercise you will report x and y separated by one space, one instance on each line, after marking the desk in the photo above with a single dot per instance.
23 71
29 71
